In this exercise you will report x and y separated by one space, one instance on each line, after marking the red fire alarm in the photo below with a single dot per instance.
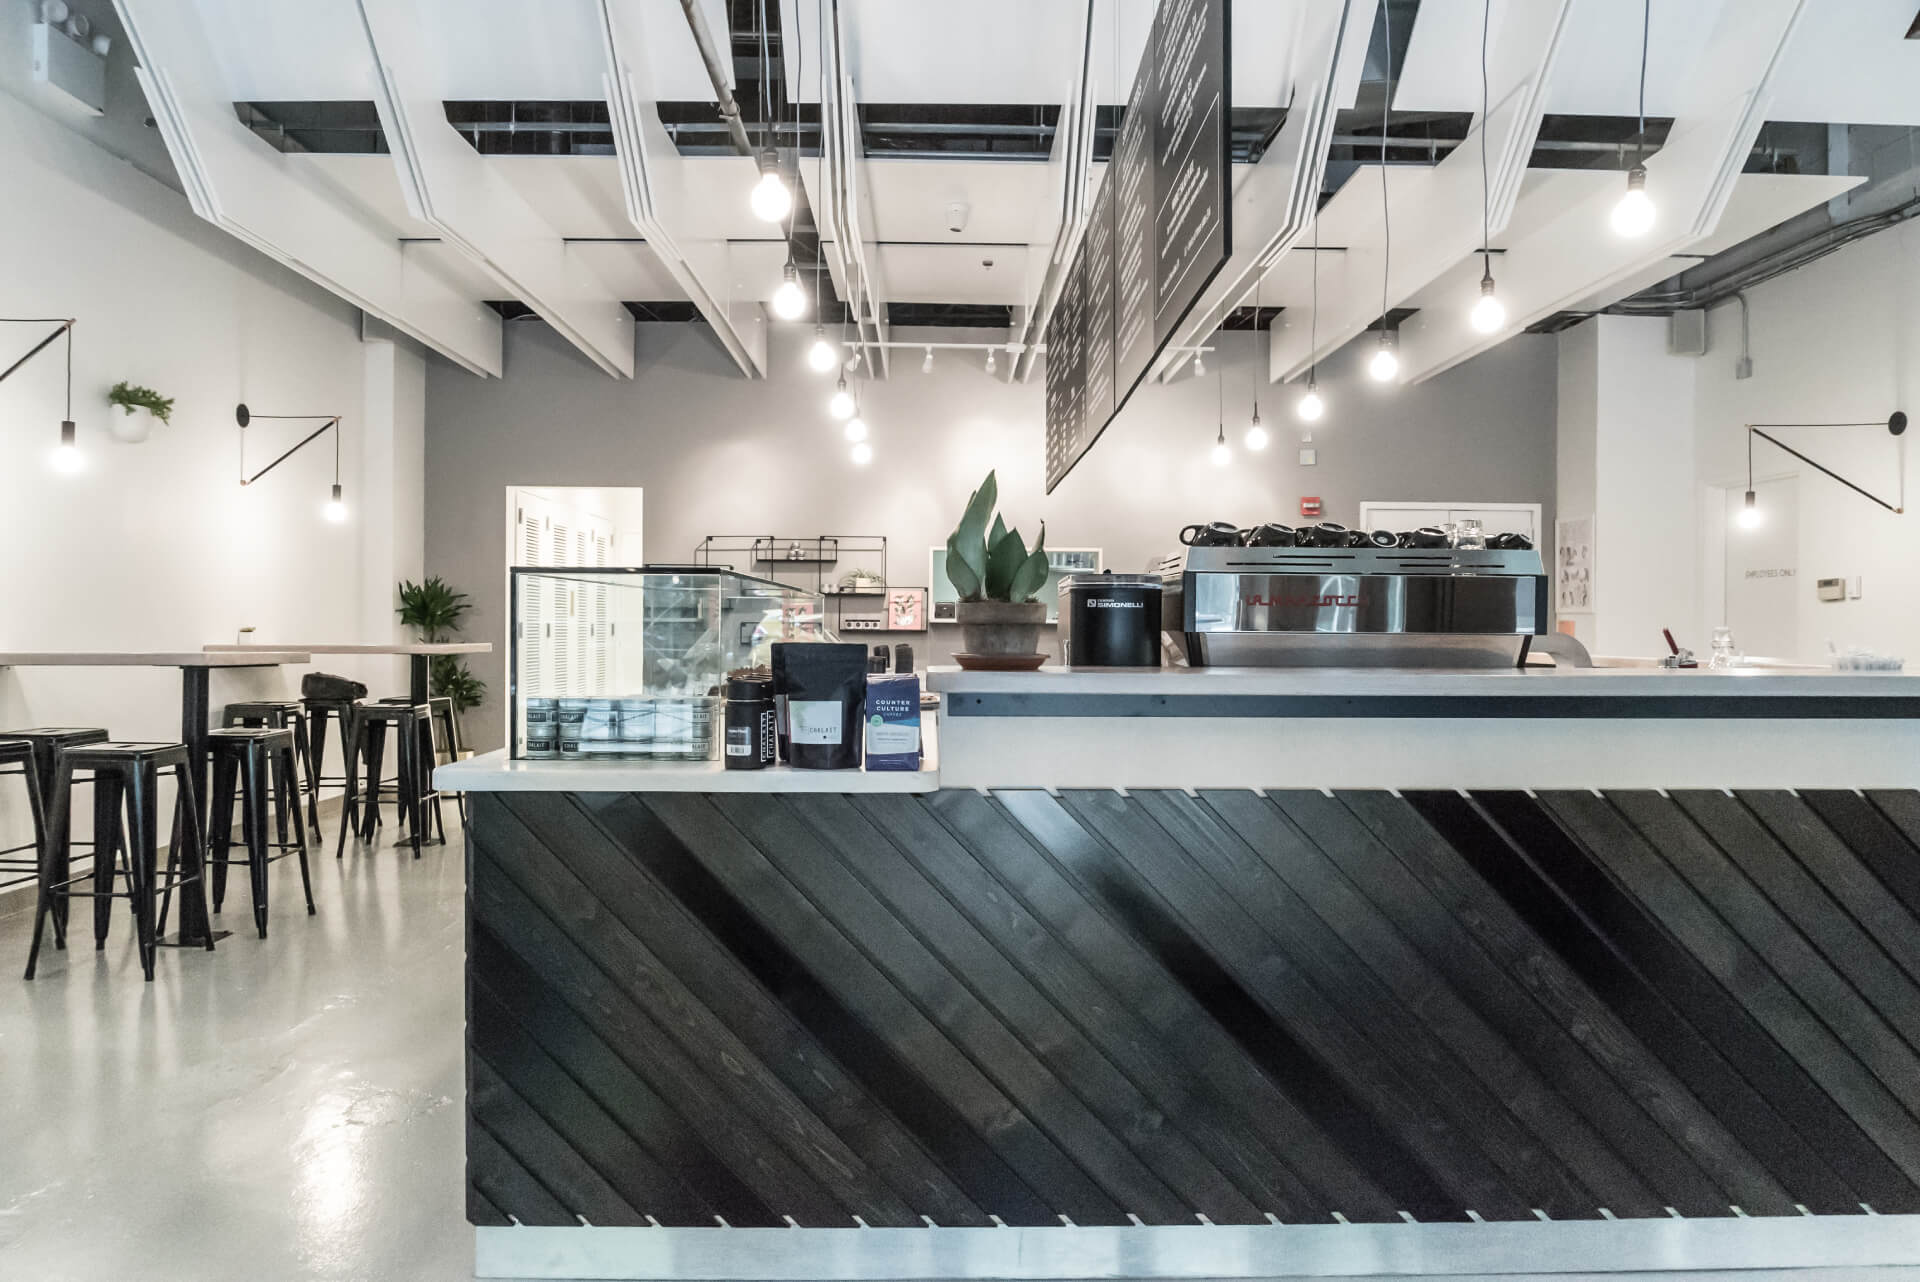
1310 506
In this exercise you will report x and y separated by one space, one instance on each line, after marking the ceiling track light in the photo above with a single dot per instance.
772 201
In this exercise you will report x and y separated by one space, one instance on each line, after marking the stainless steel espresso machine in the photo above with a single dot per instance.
1353 607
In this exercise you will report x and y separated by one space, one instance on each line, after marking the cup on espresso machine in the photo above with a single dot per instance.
1215 534
1270 535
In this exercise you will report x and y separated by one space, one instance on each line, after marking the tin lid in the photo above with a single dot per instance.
1108 579
750 688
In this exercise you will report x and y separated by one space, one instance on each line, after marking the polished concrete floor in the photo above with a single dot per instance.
277 1109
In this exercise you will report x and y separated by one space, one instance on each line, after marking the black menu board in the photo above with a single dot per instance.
1159 231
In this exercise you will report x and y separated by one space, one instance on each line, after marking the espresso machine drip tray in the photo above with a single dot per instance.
1353 607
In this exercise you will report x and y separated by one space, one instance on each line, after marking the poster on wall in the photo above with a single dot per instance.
1573 565
906 609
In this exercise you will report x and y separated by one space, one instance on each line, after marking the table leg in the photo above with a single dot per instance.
419 668
195 696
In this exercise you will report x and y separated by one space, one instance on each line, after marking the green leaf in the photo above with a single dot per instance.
999 532
1031 574
1003 560
432 607
969 540
959 573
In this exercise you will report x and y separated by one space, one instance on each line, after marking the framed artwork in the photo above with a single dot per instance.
906 610
1573 565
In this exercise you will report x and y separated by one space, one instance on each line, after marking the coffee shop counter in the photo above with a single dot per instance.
1215 974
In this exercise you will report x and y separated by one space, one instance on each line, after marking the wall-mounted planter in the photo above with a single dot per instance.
139 407
130 425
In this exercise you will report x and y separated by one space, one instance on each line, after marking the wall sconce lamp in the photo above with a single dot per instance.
1896 425
336 507
66 456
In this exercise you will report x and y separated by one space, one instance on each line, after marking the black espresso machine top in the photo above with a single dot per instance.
1354 606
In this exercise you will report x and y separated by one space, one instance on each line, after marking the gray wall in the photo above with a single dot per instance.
718 453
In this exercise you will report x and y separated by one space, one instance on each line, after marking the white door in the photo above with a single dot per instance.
1763 590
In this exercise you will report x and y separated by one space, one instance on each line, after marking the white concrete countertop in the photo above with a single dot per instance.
385 647
1477 683
262 658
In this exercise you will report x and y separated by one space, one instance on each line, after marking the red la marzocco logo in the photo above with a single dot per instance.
1309 602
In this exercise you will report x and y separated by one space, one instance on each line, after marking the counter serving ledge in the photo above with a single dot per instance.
496 772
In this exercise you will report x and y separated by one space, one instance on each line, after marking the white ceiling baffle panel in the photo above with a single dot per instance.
239 183
1575 254
1439 209
940 51
658 183
844 215
1071 187
458 191
1274 201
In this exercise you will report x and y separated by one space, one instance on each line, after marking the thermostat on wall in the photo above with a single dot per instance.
1830 589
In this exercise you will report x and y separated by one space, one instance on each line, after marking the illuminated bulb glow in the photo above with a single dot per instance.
771 200
1256 434
926 366
856 430
1633 213
1222 453
1489 314
790 301
1199 364
1385 365
1310 407
989 360
861 454
821 356
67 456
336 508
841 404
1749 517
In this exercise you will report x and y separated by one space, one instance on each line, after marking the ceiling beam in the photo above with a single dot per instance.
845 211
1573 254
1442 205
655 180
1274 204
454 189
237 182
1063 221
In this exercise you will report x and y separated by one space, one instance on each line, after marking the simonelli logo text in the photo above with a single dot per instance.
1306 600
1104 603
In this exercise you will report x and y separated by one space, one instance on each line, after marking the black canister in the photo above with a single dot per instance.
750 722
1110 620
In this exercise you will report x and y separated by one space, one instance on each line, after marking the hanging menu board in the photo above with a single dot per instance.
1159 231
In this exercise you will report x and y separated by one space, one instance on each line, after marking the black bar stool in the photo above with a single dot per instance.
319 711
412 793
283 714
46 742
245 759
16 758
131 770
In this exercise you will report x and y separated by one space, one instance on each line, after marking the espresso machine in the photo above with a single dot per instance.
1374 606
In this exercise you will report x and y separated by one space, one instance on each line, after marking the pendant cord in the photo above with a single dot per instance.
1646 29
1386 211
1486 211
1313 321
69 371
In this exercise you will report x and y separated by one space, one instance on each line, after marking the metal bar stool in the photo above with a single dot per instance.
46 743
413 789
131 770
283 714
245 761
16 758
319 711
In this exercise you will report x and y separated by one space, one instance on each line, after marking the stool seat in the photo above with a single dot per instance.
289 715
16 752
17 757
44 743
125 752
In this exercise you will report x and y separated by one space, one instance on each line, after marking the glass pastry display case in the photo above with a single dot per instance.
630 663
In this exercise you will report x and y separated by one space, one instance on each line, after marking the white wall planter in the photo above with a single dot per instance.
130 428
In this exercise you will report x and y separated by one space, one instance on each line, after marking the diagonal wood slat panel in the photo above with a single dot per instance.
756 1009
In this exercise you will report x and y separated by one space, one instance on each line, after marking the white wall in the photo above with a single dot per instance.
1837 340
717 453
156 546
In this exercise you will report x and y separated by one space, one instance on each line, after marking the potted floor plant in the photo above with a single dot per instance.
139 406
997 577
434 610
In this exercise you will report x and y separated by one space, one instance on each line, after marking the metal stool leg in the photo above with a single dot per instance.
53 867
109 842
350 806
257 851
220 824
143 844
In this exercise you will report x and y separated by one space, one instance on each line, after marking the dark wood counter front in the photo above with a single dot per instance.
956 1008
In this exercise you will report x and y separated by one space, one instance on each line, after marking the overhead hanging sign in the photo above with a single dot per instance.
1159 231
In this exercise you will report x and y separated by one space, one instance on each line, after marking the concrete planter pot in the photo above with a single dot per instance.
999 629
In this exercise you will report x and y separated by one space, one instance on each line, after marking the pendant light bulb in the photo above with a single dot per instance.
840 405
1750 517
67 457
1385 365
771 200
789 301
1256 433
1199 364
861 454
1222 452
990 360
926 366
1489 314
336 508
1633 213
822 356
1310 407
856 429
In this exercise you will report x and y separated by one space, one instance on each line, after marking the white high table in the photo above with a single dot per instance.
195 687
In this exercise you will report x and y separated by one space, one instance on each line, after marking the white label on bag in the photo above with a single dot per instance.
814 721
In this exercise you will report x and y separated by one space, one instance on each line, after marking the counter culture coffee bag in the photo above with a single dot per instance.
893 722
820 688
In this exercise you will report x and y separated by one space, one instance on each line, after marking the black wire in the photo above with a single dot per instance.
1386 212
1313 321
1486 216
69 371
1646 24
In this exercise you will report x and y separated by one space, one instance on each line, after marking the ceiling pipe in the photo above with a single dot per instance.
717 72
